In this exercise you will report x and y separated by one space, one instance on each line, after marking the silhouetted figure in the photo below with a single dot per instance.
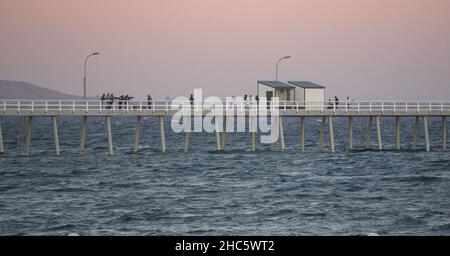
121 98
127 101
330 104
102 100
336 101
191 99
108 100
112 99
149 101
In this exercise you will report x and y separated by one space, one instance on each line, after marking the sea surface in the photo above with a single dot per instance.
234 192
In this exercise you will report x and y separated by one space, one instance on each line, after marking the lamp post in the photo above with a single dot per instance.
278 62
85 64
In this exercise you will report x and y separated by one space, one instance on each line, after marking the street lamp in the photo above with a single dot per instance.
85 63
278 62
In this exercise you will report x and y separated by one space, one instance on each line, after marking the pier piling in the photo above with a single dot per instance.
28 138
56 136
137 134
331 133
83 134
444 133
108 129
427 139
350 133
302 134
186 142
369 133
224 133
216 128
162 134
2 147
416 130
253 128
274 126
397 133
322 127
283 147
378 121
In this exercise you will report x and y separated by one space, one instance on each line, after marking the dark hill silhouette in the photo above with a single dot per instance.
24 90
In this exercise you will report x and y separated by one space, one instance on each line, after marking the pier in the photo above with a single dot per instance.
372 110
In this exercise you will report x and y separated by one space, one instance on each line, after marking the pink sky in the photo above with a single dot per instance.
380 49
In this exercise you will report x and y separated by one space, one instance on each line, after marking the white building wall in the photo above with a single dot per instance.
262 89
314 98
299 94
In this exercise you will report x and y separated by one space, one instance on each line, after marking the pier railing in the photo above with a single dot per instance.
160 108
99 106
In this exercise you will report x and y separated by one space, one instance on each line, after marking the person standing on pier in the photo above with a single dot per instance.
336 101
127 101
191 99
102 100
149 101
121 98
112 98
330 104
107 100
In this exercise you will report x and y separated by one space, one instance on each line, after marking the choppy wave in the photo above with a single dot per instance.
235 192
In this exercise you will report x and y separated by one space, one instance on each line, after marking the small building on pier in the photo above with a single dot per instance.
270 89
308 95
308 92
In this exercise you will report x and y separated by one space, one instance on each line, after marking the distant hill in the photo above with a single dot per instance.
24 90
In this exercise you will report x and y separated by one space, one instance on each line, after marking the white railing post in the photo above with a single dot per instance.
394 106
18 106
406 106
4 105
334 106
46 106
382 106
285 106
87 106
167 107
418 107
442 106
429 106
73 106
32 106
358 107
60 107
370 106
346 107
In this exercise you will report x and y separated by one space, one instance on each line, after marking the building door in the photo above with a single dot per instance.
269 96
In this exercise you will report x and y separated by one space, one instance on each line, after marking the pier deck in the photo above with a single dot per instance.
251 110
163 108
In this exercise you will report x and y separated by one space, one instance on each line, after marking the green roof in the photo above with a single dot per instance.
276 84
306 84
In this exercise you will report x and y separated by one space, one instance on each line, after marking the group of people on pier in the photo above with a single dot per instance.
335 103
107 100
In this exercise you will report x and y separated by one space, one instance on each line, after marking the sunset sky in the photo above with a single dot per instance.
365 49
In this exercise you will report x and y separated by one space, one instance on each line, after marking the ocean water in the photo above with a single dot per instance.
234 192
